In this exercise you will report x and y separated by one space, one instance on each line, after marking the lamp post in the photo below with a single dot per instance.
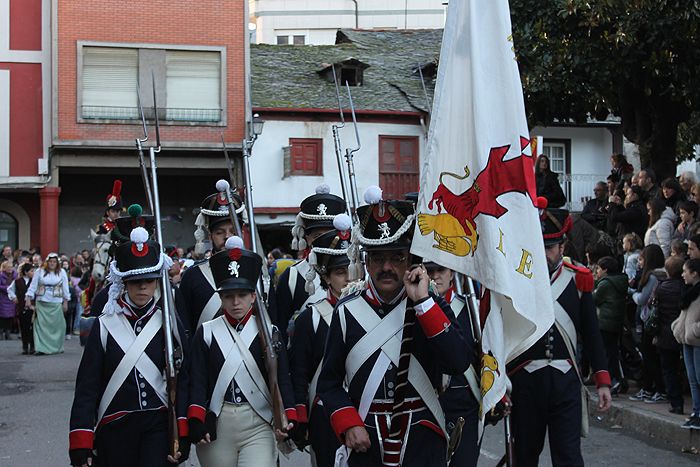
255 128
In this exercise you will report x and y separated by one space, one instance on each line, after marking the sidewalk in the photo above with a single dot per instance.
651 422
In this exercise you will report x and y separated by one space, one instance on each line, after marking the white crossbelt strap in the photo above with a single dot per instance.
321 310
214 303
391 346
300 269
560 314
474 386
134 356
242 368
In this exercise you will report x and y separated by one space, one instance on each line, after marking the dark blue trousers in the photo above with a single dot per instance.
139 439
546 400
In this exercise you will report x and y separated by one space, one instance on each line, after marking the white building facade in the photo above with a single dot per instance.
298 22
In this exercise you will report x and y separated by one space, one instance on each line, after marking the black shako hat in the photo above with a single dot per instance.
214 210
125 224
114 199
139 258
316 211
235 268
556 223
382 225
330 250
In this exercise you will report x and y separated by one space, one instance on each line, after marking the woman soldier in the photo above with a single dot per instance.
49 290
120 387
328 259
230 413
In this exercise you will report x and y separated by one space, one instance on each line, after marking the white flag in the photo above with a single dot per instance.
477 199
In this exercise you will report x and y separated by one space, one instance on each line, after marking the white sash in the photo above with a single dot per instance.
457 307
321 310
300 269
383 333
214 304
133 346
560 314
240 365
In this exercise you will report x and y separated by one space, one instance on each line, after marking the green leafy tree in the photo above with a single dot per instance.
636 59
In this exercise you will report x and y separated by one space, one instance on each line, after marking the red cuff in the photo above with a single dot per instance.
344 419
197 411
291 414
602 378
433 321
302 413
183 428
81 439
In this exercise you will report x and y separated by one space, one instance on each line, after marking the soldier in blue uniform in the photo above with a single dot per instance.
461 396
328 259
546 392
391 341
230 412
199 302
292 293
119 411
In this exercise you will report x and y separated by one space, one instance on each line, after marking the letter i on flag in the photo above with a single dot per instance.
477 212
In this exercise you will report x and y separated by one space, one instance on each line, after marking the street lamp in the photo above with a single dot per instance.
257 125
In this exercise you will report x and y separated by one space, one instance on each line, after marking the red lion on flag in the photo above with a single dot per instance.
455 230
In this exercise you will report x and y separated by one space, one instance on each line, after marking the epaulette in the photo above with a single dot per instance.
352 288
584 277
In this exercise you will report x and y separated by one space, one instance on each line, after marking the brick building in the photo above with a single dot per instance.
26 194
196 56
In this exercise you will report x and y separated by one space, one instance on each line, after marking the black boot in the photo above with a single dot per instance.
25 349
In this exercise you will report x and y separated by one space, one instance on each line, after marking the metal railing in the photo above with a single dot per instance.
103 112
578 189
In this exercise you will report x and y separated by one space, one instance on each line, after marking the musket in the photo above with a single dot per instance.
349 153
168 305
270 342
229 166
139 149
337 146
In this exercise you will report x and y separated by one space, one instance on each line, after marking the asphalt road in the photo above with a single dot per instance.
36 394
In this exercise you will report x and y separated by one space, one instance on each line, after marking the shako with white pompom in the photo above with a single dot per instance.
235 268
316 212
138 255
330 250
214 211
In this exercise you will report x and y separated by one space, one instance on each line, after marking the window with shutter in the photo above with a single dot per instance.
109 78
398 165
306 156
193 86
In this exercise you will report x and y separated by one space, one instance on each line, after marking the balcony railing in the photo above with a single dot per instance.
101 112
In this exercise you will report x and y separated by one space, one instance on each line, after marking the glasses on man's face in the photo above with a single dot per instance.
382 258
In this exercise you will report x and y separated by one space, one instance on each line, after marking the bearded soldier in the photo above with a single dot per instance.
314 219
197 287
546 380
391 341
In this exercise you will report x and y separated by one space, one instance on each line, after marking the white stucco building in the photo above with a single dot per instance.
316 21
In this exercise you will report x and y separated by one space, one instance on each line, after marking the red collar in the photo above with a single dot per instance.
235 322
332 299
449 295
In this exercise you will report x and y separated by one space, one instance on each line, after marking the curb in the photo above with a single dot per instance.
645 424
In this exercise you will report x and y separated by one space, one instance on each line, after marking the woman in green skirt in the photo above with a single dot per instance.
50 293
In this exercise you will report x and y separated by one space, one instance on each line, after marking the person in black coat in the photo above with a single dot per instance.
330 261
595 212
230 412
548 183
668 305
630 217
119 411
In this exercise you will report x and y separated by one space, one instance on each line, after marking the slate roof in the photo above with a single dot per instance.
287 76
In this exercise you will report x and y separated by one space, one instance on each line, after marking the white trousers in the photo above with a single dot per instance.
243 439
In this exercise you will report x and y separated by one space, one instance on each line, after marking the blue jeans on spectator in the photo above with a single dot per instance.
691 356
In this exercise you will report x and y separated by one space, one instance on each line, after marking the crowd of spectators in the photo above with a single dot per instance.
642 242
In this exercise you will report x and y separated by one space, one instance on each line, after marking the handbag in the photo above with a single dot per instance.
652 326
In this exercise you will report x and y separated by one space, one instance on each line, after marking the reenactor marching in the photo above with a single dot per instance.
391 341
200 302
329 261
292 293
119 411
546 379
231 407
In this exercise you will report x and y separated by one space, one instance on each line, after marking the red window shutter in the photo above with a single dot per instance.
307 156
398 165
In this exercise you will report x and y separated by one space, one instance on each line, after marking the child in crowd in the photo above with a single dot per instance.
632 245
679 249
